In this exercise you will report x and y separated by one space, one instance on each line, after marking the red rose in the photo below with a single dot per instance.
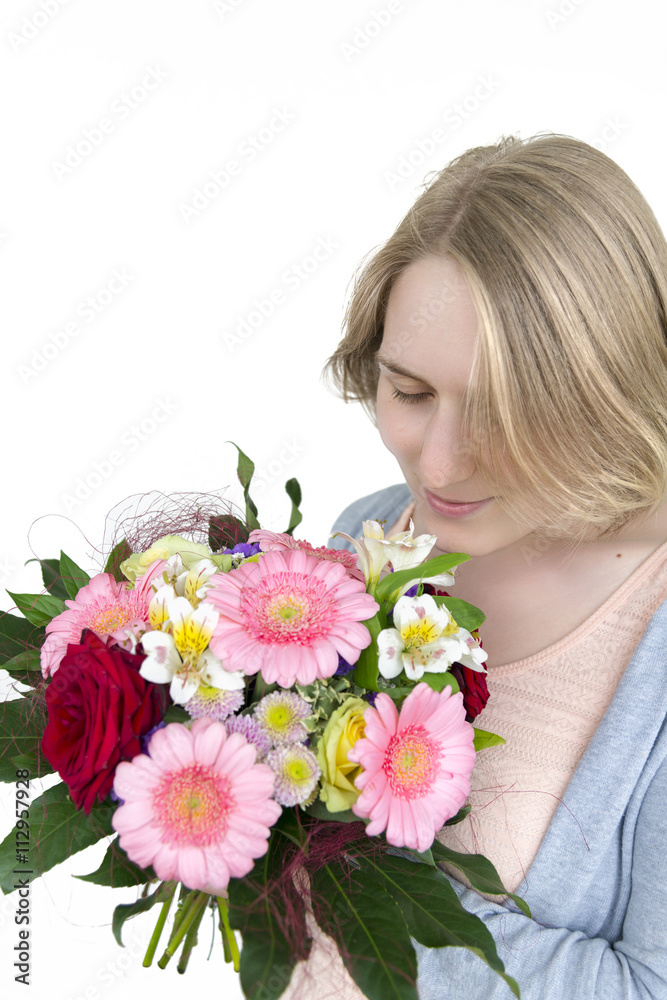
473 686
99 706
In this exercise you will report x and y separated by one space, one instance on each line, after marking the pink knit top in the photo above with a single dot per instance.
547 707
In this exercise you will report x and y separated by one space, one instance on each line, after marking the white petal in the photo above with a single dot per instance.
372 529
213 672
205 617
441 580
162 659
415 671
180 610
390 648
182 690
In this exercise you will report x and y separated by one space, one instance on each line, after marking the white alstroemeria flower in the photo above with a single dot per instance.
476 656
180 657
194 585
406 551
425 638
158 612
372 553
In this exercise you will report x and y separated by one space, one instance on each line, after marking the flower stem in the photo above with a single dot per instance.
191 937
228 938
191 908
159 927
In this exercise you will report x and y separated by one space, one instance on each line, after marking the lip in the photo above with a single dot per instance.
454 509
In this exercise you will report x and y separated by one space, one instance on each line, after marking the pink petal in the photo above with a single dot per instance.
208 741
171 747
192 867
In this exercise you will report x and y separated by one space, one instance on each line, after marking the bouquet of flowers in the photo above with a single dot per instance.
263 731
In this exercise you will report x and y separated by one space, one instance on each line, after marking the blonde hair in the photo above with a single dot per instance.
567 265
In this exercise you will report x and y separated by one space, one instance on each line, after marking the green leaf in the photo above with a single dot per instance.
35 762
293 491
440 681
465 615
483 739
479 872
432 567
290 825
460 816
434 914
319 810
74 578
16 636
22 722
370 930
366 670
119 553
257 910
25 666
57 830
39 609
51 577
398 693
245 470
424 857
117 870
176 713
127 910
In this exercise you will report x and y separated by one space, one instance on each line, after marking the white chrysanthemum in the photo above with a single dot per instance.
297 773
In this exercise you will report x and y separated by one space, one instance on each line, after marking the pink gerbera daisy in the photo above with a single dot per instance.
280 542
113 611
416 765
289 615
197 807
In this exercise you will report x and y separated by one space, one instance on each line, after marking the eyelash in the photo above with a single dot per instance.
409 397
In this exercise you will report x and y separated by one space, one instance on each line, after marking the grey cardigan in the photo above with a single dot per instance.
597 887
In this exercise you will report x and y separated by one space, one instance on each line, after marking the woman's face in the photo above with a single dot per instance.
425 361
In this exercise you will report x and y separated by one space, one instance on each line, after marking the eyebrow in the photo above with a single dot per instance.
398 369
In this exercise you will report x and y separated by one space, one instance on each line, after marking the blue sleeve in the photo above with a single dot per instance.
384 505
556 963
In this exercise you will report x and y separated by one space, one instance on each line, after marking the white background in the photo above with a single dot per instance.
356 89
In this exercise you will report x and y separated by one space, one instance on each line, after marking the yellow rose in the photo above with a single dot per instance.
164 548
342 731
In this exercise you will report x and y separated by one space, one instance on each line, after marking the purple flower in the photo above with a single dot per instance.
245 548
344 667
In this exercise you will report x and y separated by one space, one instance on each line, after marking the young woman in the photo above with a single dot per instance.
510 342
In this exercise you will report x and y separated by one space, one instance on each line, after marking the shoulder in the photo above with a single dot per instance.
383 505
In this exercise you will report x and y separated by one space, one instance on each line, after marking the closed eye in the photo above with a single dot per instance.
409 397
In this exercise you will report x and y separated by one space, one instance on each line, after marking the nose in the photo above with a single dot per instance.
446 459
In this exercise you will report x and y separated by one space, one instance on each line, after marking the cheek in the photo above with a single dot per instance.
400 431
